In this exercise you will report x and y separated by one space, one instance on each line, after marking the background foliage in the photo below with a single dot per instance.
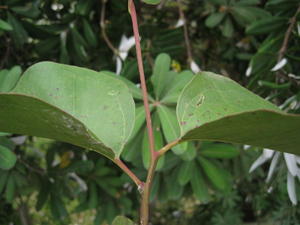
54 183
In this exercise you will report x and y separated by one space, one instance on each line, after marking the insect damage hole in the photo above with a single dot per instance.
200 101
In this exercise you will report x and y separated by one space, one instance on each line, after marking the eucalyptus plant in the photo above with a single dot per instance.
96 111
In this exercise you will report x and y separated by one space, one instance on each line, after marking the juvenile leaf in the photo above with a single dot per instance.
7 158
216 108
223 151
214 174
214 19
159 77
170 127
70 104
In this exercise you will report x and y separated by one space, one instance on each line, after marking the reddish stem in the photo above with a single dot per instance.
132 11
136 180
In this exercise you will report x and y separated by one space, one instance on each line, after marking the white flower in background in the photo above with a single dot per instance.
249 71
125 45
279 65
179 23
292 163
194 67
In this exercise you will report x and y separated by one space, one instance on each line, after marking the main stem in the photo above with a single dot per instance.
144 213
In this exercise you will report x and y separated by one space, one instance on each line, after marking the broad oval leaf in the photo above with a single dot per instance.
70 104
7 158
215 108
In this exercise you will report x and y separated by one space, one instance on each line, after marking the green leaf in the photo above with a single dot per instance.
9 79
93 196
18 33
5 26
89 34
185 172
135 91
139 120
70 104
247 14
170 127
152 2
214 174
227 29
215 108
214 19
10 189
160 71
122 220
190 153
175 190
223 151
199 186
158 141
7 158
3 180
266 25
175 87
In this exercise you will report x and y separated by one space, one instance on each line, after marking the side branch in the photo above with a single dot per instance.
136 180
287 35
103 29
